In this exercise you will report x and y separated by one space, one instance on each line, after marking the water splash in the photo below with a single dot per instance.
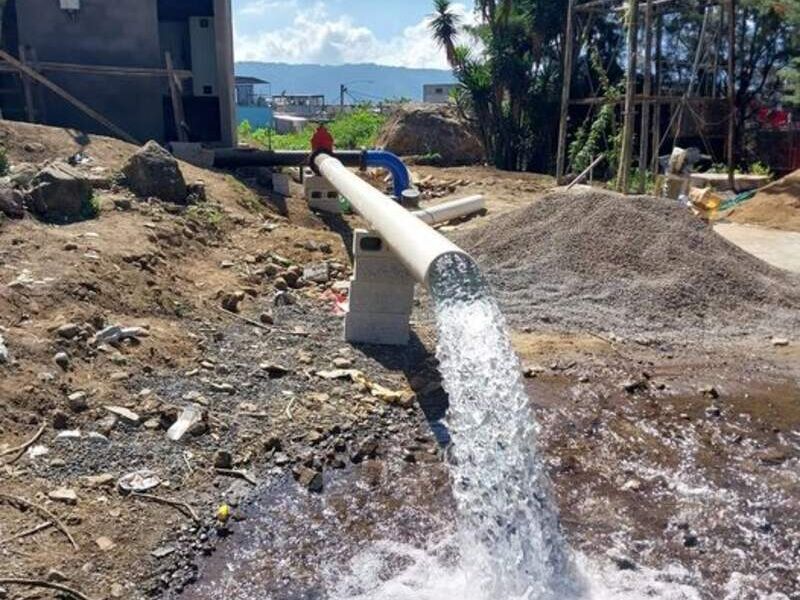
510 540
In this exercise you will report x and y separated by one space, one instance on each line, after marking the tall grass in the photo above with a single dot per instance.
358 129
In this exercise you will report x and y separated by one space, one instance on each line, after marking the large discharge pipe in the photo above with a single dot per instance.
416 245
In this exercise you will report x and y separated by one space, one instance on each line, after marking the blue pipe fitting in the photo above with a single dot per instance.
392 163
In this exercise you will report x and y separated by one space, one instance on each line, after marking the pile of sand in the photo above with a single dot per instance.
633 265
776 205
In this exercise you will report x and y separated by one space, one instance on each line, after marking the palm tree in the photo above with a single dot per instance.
445 24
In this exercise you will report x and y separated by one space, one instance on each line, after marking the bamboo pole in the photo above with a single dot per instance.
647 92
659 87
565 89
731 94
177 100
623 176
30 111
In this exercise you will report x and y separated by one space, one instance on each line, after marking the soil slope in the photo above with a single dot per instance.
776 206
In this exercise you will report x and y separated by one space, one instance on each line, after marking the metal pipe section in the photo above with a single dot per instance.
234 158
416 245
447 211
401 180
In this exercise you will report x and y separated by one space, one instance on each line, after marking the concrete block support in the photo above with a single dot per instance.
381 294
320 194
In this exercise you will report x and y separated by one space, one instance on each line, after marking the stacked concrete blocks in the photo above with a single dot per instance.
381 294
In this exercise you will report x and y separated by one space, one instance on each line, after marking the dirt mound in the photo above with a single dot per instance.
431 129
776 206
632 265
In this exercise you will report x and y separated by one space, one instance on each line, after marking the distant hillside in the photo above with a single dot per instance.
387 82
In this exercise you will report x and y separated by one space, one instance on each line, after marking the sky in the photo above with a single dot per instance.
332 32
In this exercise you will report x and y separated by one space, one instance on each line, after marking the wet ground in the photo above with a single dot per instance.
674 479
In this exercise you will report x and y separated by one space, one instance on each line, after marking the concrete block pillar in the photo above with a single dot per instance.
381 294
320 194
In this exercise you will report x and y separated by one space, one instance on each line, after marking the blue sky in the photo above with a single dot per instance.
338 31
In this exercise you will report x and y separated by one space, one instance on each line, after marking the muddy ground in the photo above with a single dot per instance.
662 456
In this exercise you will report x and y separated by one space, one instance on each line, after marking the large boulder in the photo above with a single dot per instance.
152 171
59 193
429 129
12 203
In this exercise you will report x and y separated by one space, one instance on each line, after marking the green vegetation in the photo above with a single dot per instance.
358 129
3 162
206 215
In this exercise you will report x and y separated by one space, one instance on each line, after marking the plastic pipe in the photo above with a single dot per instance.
447 211
413 242
233 158
401 181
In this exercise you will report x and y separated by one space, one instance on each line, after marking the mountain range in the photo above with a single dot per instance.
363 81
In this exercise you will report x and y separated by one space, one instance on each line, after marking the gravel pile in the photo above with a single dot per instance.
637 265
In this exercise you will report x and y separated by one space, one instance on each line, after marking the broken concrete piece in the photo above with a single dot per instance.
152 171
104 543
780 341
114 334
138 481
68 330
317 272
3 351
352 374
310 479
65 495
123 413
190 416
96 481
12 203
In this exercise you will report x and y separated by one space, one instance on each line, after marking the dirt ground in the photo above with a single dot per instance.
658 455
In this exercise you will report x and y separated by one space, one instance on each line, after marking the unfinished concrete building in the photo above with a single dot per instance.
149 69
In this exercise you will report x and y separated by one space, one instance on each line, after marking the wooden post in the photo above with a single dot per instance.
177 100
646 93
30 111
659 87
565 89
41 99
731 94
25 70
623 176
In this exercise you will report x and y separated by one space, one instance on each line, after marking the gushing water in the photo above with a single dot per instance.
510 540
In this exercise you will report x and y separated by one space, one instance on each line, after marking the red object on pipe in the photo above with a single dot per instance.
322 140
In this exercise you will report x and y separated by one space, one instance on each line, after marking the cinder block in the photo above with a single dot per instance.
381 270
370 244
369 296
376 328
320 194
280 184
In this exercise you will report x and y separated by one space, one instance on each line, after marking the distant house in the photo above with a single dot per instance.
253 102
437 93
299 105
111 56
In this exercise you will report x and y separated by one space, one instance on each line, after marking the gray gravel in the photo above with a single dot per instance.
635 266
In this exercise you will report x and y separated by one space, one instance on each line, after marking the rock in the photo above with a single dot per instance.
223 459
713 411
96 481
417 129
3 351
105 544
634 385
62 360
68 331
690 540
284 298
152 171
624 563
190 416
12 203
222 388
273 443
115 334
231 301
309 478
275 371
77 401
342 362
162 552
106 424
773 456
317 272
709 391
60 193
65 495
60 420
280 284
123 204
117 591
56 576
532 371
633 485
125 414
367 449
266 318
351 374
196 192
780 341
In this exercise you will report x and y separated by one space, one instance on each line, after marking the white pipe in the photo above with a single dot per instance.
447 211
415 244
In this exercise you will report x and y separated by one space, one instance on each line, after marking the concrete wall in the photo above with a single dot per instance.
116 33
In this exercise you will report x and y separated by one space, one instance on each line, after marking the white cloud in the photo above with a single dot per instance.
315 37
262 7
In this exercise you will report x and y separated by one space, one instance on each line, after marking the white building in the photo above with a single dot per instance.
437 93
